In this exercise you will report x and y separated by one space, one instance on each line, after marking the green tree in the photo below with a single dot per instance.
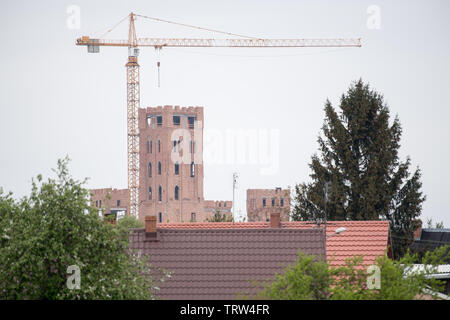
219 217
307 279
437 225
360 169
310 278
129 222
42 235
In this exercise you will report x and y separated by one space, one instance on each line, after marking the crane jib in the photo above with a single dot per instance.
243 43
133 90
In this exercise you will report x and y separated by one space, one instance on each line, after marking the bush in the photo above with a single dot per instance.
311 278
54 228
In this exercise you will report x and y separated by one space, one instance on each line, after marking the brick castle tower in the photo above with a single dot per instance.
171 162
170 172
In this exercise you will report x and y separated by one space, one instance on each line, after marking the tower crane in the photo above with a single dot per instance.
133 90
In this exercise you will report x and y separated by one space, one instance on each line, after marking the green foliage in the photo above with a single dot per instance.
437 225
350 281
307 279
359 159
437 256
396 280
311 278
129 222
218 217
110 218
394 284
54 228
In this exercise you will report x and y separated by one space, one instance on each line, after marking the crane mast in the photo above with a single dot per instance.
133 103
133 90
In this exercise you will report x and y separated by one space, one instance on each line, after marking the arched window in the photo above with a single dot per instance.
149 145
192 169
177 168
159 145
177 190
149 169
159 167
264 202
150 196
160 193
281 202
273 202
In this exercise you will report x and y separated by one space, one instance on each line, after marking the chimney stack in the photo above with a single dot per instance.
418 230
275 219
150 224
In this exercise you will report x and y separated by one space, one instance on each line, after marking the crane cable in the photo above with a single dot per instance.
158 49
114 26
195 27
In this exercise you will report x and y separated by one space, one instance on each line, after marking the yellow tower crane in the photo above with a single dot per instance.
133 93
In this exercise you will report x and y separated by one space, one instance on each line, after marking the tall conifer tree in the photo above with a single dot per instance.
360 170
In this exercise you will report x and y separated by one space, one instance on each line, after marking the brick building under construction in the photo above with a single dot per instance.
171 174
171 169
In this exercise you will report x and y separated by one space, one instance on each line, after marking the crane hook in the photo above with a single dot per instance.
158 63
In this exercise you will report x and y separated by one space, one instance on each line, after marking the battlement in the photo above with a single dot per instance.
268 192
262 202
161 117
174 109
219 204
111 191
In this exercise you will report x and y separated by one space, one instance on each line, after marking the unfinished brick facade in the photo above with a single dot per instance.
110 200
171 167
262 202
212 207
173 191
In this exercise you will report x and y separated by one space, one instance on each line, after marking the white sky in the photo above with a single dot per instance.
57 100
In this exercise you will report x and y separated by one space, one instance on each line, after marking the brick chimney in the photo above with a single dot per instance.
151 233
275 219
150 224
418 230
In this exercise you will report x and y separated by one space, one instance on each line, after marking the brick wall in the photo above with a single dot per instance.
257 211
158 130
107 198
159 127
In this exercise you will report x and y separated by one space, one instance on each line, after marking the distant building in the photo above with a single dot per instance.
429 239
261 202
110 201
212 207
171 190
440 272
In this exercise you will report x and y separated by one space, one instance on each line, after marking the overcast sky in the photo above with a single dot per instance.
57 99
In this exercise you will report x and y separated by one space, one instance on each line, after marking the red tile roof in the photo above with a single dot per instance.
367 238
